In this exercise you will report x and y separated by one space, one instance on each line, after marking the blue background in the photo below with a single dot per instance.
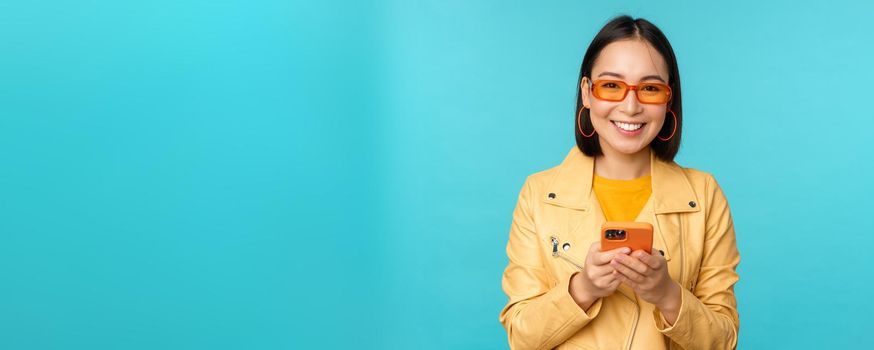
271 174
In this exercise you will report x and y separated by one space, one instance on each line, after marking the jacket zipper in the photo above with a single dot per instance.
634 323
682 253
560 254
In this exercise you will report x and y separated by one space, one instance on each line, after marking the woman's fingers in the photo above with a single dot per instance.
633 264
630 273
622 278
653 261
599 271
603 258
608 281
613 282
610 268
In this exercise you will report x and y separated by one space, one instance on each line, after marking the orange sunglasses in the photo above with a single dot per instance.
616 90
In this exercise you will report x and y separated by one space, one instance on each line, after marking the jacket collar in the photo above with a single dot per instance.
571 186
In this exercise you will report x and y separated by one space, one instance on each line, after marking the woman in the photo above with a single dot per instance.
563 290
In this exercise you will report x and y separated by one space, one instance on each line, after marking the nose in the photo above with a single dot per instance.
631 106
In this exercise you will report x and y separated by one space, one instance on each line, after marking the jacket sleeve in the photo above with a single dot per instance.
537 315
708 317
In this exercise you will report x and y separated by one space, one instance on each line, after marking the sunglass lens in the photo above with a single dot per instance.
610 90
653 93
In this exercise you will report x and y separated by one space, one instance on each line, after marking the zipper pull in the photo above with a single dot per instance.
559 254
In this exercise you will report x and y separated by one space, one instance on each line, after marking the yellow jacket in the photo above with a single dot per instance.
555 221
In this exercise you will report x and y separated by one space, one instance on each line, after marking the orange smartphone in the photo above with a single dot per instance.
635 235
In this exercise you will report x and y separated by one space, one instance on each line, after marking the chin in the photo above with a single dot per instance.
629 149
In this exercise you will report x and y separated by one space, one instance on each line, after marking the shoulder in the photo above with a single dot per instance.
705 185
697 177
541 178
536 183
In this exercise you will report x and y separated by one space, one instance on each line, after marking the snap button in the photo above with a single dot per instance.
551 195
566 246
692 204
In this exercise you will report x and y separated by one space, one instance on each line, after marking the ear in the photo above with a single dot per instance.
585 93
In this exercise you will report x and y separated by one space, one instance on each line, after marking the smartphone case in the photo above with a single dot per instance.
638 236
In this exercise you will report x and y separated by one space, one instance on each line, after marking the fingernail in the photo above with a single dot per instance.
626 250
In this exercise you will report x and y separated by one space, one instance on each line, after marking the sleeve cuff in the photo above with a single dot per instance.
568 307
679 325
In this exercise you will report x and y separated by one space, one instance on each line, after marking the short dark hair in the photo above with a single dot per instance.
621 28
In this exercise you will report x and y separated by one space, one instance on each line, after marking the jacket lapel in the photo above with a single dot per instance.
671 190
571 187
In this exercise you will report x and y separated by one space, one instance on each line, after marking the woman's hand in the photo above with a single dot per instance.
597 279
648 276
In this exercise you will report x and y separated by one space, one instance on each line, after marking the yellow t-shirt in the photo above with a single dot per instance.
622 200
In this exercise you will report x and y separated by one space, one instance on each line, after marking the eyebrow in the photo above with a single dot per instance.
620 76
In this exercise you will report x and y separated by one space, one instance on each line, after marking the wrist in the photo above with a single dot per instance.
578 292
672 300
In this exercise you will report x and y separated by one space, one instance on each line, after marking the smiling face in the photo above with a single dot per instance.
627 126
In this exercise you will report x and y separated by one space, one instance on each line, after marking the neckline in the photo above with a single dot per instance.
642 181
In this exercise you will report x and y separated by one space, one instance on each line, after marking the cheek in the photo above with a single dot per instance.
657 120
600 114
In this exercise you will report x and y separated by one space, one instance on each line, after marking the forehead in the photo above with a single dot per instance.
632 58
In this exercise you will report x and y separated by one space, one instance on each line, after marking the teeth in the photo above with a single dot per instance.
628 127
